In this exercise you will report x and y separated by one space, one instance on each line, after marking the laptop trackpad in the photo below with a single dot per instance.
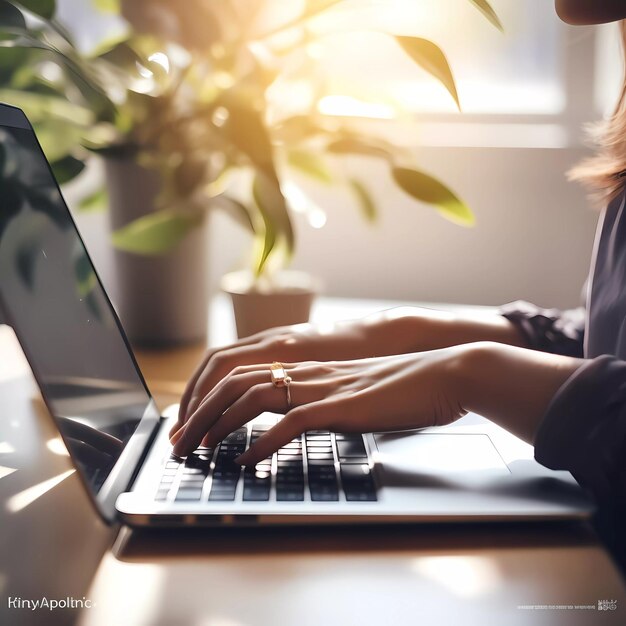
414 458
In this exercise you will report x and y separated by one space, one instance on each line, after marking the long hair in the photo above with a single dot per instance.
604 174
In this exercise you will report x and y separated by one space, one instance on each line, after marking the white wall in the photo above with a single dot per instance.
532 240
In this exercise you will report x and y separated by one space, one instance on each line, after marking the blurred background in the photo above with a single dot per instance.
525 93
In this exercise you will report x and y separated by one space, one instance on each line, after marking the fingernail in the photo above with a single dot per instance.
177 435
179 448
241 460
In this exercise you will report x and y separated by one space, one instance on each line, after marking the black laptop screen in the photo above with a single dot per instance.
61 314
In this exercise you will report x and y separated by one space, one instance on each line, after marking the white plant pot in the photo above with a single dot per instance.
287 300
162 300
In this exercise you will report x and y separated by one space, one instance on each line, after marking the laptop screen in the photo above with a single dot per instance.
61 314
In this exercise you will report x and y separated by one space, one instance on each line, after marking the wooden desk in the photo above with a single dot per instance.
53 545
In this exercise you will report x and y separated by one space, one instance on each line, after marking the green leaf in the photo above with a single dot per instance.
238 211
430 57
156 233
44 108
427 189
11 16
57 138
273 207
358 145
245 128
485 8
43 8
368 208
94 202
311 164
67 168
76 71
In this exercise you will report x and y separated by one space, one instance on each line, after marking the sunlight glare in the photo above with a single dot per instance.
6 471
6 448
347 106
159 58
22 499
466 576
56 446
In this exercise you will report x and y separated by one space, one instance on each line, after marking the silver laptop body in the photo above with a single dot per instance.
49 290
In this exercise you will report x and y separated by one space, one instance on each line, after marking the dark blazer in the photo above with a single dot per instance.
584 428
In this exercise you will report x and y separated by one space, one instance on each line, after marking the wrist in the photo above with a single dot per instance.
511 386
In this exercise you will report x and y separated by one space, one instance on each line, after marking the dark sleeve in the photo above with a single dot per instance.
548 330
584 432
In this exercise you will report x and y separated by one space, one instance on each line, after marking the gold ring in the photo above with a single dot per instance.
280 378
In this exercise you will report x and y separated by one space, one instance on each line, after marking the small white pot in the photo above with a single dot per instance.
286 300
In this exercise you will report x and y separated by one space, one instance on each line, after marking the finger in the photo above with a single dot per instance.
190 435
218 367
261 398
297 421
191 384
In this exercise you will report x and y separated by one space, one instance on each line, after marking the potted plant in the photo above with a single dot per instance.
189 119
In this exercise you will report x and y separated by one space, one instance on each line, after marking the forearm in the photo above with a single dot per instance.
511 386
412 329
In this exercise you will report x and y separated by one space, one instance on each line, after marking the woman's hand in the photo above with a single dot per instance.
375 394
510 385
396 331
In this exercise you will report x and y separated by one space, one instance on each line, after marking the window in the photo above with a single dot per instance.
520 71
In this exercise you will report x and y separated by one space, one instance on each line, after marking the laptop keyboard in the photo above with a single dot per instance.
318 466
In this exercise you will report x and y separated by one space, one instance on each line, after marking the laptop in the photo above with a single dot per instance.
118 441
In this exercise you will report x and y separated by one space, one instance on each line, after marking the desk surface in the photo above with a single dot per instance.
52 545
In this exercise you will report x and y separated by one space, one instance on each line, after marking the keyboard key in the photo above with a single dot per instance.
358 483
189 493
315 479
167 479
318 444
256 493
320 456
192 481
366 495
198 461
172 465
320 462
195 471
354 472
289 480
289 494
289 463
161 494
322 470
229 453
294 445
226 482
223 496
238 436
289 455
324 493
219 473
351 448
227 467
348 437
